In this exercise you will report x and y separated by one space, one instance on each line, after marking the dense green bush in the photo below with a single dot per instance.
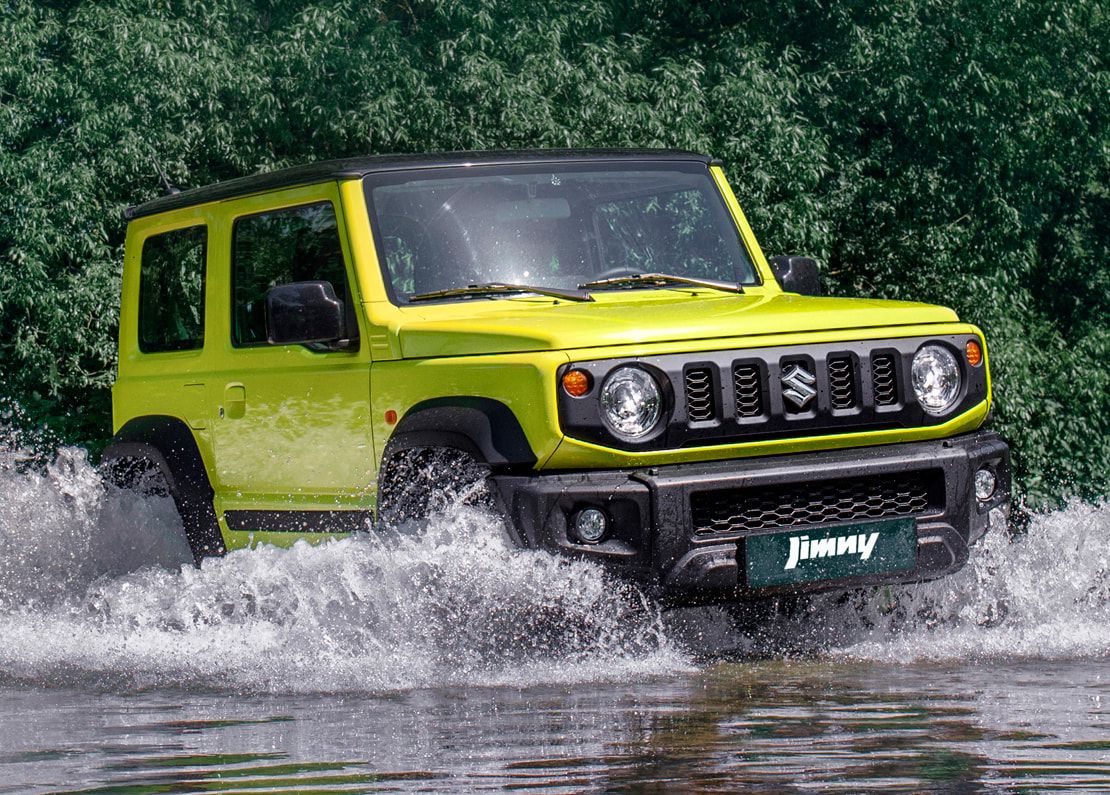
955 152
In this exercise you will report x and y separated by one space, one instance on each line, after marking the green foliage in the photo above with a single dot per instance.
955 152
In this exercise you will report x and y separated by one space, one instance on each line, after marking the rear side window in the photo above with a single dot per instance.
171 291
299 244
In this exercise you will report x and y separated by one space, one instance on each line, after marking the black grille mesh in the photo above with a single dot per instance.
842 382
749 389
884 379
699 394
754 394
822 502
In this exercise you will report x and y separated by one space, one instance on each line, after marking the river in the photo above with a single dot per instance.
446 662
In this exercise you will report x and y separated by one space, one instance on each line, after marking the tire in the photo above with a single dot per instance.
198 516
419 483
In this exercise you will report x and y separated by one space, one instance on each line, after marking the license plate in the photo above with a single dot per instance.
830 554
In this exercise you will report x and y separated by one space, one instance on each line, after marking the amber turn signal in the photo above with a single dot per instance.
974 353
576 382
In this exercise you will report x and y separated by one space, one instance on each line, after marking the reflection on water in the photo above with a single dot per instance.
785 726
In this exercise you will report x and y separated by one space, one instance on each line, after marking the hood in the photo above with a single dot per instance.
519 325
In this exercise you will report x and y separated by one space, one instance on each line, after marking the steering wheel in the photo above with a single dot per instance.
613 273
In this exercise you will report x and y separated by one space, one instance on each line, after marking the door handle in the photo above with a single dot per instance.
235 401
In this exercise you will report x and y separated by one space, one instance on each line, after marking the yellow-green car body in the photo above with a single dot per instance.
267 432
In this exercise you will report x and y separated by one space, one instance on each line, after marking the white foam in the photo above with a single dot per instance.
94 590
1045 594
96 587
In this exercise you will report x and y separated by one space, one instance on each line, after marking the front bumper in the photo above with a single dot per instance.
680 530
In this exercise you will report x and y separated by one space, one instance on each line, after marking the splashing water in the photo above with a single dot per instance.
96 588
1044 595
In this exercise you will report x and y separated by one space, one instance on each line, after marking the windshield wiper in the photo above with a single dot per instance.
661 280
497 288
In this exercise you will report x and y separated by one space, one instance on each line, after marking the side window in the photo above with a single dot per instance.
171 291
298 244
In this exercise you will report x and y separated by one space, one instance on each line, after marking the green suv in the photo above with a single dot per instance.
589 343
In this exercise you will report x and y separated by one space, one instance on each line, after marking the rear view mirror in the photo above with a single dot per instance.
304 312
797 274
534 210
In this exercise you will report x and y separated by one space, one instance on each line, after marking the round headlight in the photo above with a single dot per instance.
936 378
631 403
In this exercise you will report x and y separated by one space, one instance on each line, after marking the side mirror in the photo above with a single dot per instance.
797 274
304 312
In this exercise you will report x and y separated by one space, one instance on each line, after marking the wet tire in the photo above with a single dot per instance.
195 509
417 484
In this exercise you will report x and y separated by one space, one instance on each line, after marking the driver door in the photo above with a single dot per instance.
291 431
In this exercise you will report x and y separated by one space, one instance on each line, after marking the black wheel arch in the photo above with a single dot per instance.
485 428
168 444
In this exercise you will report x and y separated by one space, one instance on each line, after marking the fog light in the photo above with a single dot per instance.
590 525
985 483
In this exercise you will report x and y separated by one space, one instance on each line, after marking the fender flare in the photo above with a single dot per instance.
485 428
168 443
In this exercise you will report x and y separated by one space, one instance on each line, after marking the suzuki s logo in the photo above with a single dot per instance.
798 384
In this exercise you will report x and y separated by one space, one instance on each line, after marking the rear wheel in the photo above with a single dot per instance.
194 507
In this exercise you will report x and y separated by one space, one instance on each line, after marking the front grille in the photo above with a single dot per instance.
842 382
800 393
823 502
884 379
747 378
699 394
741 395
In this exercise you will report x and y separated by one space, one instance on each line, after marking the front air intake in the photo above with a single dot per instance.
842 382
700 395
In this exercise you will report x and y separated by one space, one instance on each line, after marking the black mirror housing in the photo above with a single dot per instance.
796 274
304 312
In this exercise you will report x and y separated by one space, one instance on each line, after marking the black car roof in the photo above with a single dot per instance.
361 166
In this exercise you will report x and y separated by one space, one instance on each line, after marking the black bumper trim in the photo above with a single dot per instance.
652 539
350 521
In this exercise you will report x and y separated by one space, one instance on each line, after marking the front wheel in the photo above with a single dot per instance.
416 484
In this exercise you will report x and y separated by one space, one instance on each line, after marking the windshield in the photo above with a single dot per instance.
556 225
